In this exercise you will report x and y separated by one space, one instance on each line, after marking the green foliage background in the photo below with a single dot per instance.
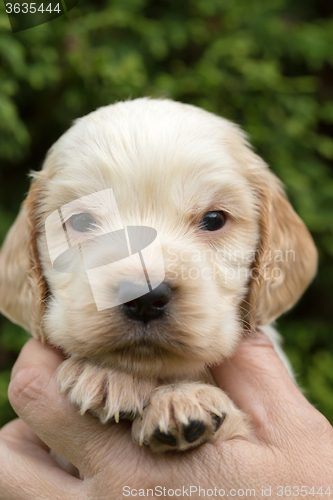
266 65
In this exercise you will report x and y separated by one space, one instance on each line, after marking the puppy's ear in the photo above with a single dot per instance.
23 289
286 258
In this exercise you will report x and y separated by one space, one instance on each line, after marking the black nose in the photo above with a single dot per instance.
148 306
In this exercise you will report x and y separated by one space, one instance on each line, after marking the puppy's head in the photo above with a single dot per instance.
235 253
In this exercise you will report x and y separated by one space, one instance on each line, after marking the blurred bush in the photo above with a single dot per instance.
266 65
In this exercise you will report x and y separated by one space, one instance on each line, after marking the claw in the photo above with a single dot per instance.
217 413
116 417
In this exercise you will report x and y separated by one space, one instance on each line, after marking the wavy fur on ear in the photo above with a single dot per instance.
286 259
23 288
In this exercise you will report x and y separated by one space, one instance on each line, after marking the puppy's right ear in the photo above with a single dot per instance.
23 289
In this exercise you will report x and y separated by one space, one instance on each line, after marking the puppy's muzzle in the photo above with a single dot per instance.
146 307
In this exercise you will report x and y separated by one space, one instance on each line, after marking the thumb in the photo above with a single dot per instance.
258 383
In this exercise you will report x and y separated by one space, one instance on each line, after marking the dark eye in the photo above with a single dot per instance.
213 221
82 222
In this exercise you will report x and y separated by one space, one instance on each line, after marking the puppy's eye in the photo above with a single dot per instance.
82 222
213 221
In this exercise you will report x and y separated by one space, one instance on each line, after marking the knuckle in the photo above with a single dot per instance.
321 428
27 386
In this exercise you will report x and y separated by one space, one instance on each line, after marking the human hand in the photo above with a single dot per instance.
291 445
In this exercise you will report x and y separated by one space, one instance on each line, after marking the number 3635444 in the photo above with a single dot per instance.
31 8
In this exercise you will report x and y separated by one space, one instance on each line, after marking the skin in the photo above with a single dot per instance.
291 444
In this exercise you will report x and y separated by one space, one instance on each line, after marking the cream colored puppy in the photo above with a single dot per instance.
235 253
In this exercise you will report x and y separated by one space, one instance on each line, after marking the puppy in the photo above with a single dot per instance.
235 257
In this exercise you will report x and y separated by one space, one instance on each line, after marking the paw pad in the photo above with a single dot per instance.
165 438
194 430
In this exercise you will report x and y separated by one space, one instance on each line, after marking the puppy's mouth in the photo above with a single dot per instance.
147 337
152 339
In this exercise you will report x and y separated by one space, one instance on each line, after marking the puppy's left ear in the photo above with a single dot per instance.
286 258
23 289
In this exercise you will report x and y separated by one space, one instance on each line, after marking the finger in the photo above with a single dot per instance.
27 471
39 357
258 383
34 395
17 430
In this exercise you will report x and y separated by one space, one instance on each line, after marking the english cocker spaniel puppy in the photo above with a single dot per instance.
152 239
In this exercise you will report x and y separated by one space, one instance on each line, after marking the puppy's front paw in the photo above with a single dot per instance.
107 393
183 416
